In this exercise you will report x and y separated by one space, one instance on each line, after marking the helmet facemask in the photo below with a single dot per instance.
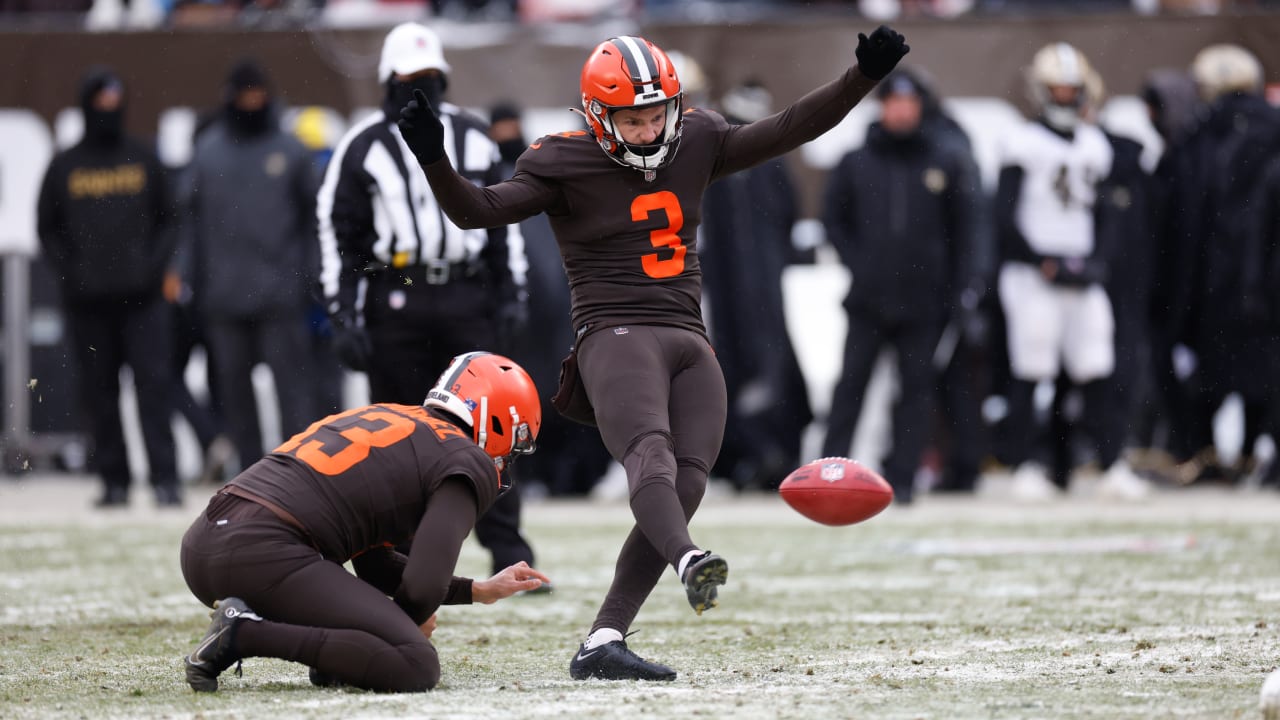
648 157
522 437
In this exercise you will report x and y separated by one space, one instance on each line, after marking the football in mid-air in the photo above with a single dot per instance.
836 491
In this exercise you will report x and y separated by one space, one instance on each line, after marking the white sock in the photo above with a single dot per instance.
603 636
684 561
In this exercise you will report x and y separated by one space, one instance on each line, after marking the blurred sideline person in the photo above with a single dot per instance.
1051 282
1224 329
1123 229
570 458
1176 111
406 288
248 255
744 246
1262 288
203 415
105 220
964 357
318 133
644 368
1124 222
267 553
898 237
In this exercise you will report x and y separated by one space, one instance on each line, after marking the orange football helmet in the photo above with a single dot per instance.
496 398
631 72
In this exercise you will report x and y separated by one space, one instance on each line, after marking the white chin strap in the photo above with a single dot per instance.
483 430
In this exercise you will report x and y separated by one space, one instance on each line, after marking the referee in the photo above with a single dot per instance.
407 290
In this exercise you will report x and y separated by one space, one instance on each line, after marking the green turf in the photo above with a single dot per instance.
952 609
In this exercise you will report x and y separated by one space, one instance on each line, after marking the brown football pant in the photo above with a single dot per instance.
315 612
660 405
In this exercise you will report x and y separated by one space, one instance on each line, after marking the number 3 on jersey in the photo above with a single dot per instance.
665 237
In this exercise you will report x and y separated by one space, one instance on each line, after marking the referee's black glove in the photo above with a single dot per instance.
513 319
351 342
421 129
879 54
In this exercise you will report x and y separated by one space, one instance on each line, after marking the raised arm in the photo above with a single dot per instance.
466 205
817 112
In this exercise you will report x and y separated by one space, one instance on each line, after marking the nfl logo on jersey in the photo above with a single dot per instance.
832 472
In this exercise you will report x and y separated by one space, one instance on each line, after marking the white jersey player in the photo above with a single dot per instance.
1056 308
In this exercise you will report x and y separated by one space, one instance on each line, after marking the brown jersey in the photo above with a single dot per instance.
629 246
362 478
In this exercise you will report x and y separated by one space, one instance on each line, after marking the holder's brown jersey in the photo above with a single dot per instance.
629 245
362 478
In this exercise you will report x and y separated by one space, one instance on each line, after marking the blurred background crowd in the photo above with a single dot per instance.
138 14
1072 301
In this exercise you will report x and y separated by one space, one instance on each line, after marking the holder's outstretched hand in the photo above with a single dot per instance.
514 579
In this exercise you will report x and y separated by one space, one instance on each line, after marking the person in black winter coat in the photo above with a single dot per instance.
1226 161
900 211
248 253
105 221
967 356
1262 293
1176 112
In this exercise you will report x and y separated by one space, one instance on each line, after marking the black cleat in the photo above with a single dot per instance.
701 578
168 495
113 497
216 652
320 679
614 661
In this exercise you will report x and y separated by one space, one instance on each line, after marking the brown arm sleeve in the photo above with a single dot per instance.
795 125
428 581
468 206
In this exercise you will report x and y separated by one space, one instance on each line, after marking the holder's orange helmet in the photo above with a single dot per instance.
631 72
496 398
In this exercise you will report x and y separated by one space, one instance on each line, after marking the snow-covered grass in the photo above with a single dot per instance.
953 608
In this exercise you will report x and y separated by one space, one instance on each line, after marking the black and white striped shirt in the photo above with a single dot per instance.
376 210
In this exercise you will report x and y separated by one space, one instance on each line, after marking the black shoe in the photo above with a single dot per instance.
1271 476
703 574
320 679
168 495
613 661
217 456
216 652
113 497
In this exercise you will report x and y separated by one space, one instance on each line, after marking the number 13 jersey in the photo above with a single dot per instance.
363 478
